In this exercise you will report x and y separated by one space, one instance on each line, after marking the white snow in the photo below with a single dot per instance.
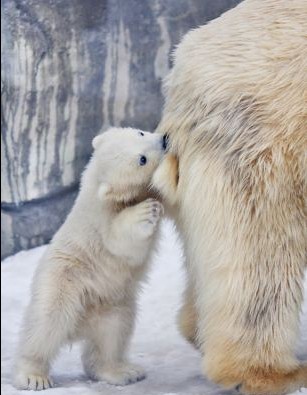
173 366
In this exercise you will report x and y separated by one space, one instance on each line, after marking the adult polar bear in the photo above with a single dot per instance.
236 115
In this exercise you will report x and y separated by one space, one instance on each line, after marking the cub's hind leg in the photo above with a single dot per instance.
50 322
105 349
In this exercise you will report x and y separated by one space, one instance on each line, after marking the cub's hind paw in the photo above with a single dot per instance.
122 374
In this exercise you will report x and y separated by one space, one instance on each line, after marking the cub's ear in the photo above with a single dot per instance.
104 191
97 141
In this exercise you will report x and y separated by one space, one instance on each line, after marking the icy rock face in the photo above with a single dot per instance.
69 70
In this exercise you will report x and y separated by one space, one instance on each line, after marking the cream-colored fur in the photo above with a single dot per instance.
236 115
87 282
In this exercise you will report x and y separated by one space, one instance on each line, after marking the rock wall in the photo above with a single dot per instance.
71 68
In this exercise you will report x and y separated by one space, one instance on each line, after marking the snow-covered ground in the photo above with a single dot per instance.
173 366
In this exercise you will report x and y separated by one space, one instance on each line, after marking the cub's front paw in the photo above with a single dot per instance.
149 214
32 382
122 374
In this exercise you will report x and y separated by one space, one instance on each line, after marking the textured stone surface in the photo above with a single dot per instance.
69 70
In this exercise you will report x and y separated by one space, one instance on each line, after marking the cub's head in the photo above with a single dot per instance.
125 160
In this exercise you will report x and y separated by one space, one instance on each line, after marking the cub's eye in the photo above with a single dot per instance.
142 160
141 134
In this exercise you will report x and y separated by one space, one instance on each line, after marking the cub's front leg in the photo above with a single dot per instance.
145 217
133 229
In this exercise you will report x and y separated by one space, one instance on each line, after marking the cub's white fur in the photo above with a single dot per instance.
86 284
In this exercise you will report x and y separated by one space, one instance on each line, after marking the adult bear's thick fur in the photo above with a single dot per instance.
236 114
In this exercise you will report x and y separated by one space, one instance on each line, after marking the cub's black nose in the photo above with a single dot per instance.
165 141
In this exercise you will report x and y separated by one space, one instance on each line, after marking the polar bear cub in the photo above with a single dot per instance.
87 282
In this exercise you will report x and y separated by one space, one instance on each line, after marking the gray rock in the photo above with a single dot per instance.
69 70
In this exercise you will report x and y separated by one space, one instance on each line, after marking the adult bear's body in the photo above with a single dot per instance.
236 114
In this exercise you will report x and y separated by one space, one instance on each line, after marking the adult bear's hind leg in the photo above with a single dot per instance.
187 318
